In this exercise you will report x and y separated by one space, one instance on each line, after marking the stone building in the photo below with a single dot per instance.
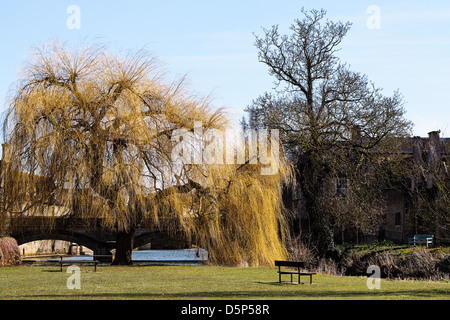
399 218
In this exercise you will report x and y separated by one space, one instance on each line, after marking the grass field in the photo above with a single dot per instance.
200 282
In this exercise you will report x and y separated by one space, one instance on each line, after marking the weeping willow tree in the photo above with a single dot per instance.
91 135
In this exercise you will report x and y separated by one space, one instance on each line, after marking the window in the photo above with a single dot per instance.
406 207
398 219
341 189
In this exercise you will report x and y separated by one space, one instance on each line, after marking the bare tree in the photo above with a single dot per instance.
92 133
326 113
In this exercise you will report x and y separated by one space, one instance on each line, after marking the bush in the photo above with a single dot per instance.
418 263
394 261
9 252
298 251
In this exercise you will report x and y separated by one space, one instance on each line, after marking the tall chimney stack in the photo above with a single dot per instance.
434 149
434 154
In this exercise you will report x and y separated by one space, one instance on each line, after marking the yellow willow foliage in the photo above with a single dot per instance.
89 135
237 216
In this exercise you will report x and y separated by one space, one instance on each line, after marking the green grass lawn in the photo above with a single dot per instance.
199 282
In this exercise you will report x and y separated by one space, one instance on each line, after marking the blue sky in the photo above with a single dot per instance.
212 43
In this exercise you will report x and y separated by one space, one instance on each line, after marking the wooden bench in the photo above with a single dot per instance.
421 239
68 262
293 264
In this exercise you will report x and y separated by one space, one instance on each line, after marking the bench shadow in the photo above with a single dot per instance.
283 283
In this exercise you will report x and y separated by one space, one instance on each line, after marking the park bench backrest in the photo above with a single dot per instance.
423 237
295 264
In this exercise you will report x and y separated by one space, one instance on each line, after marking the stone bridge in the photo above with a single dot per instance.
89 234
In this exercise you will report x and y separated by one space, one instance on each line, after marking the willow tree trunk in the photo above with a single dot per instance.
124 248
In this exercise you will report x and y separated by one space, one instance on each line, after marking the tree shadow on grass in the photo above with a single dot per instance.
271 294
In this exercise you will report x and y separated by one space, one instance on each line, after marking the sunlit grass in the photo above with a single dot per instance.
200 282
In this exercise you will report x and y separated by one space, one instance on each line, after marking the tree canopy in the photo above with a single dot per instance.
334 123
94 133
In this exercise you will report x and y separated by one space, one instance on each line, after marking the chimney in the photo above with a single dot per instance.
434 149
434 155
417 151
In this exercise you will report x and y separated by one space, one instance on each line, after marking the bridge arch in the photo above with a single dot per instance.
76 237
99 243
160 240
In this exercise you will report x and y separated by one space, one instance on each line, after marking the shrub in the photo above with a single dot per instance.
9 252
394 261
417 263
297 250
420 264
